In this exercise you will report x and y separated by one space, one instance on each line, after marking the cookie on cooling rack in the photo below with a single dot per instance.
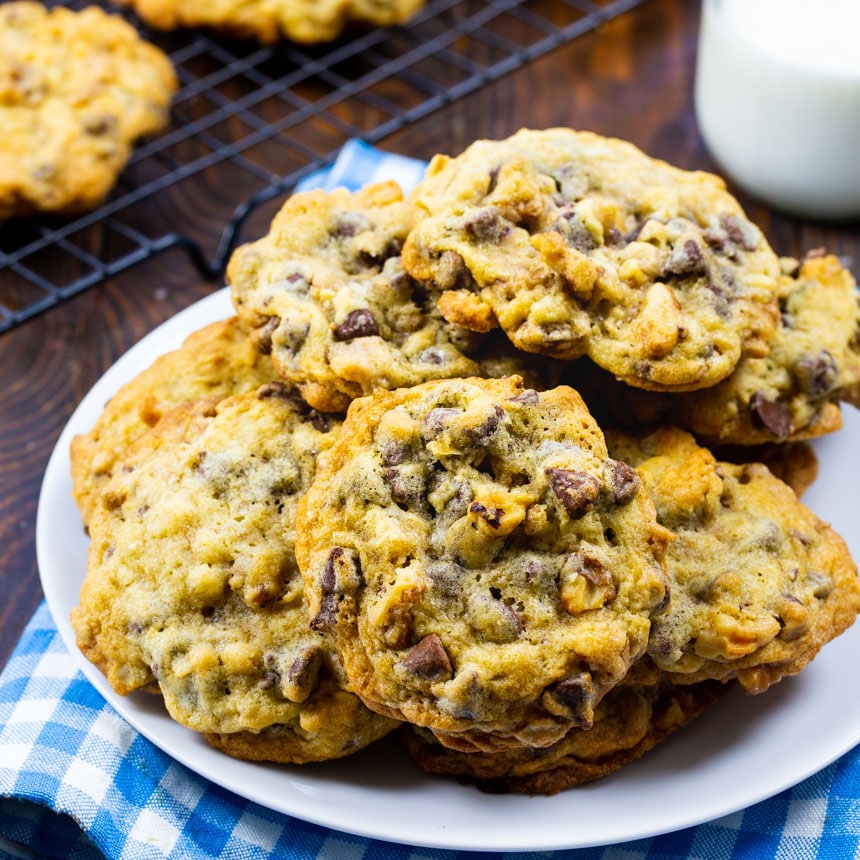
77 89
630 720
328 299
758 583
577 244
483 568
270 20
793 393
216 361
192 588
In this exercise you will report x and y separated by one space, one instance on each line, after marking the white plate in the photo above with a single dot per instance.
743 750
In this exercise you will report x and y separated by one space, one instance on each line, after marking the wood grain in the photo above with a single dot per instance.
632 78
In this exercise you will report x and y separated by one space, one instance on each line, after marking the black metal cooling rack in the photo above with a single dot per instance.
253 120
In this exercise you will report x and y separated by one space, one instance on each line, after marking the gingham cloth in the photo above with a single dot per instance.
76 781
74 775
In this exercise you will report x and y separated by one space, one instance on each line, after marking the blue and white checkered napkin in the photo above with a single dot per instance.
76 781
74 775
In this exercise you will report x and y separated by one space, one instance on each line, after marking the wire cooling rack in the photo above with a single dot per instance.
250 121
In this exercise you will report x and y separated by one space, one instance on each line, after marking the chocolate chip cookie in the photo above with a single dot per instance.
482 566
192 588
758 583
793 393
328 299
577 244
216 361
77 89
270 20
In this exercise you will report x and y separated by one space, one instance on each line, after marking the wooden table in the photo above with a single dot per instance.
632 78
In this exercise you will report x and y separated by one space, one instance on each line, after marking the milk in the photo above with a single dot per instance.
778 100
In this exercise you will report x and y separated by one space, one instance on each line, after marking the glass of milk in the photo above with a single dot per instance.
777 99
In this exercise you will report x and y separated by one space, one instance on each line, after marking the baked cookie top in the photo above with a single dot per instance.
270 20
484 569
328 298
216 361
758 583
76 90
192 588
578 244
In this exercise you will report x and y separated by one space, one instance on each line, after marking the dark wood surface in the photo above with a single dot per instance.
632 78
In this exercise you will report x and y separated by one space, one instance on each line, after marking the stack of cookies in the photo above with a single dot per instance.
485 466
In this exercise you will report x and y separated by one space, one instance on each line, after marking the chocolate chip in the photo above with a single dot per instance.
296 282
740 231
338 566
817 375
277 389
592 569
432 355
715 237
436 421
452 272
100 124
429 659
301 677
577 491
487 225
481 434
660 644
822 584
686 258
574 232
393 454
269 680
406 487
319 421
529 397
292 335
358 323
392 249
625 483
572 697
264 335
772 415
643 369
351 224
491 516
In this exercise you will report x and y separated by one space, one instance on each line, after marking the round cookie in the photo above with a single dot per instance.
216 361
76 90
483 568
578 244
269 20
793 393
758 583
630 720
192 588
814 363
327 297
